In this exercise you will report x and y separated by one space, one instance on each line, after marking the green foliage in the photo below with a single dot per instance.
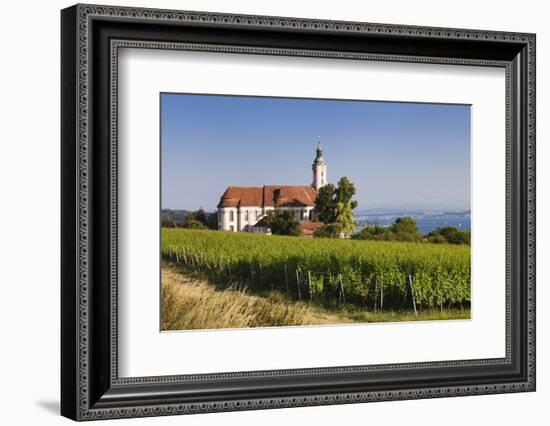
449 234
404 225
191 223
200 219
403 229
440 272
325 205
283 222
167 223
373 232
331 230
334 206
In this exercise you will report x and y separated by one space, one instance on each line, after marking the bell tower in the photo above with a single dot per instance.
319 168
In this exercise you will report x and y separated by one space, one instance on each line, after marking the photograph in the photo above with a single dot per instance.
279 212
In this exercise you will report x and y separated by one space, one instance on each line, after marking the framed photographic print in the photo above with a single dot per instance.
263 212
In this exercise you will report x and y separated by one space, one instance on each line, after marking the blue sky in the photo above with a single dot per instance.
399 155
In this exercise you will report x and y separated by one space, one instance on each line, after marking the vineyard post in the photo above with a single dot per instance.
381 296
286 279
252 276
309 284
229 270
261 275
342 294
177 256
298 284
412 294
375 295
184 256
170 252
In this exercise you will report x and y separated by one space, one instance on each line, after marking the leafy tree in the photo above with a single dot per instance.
345 192
200 219
405 225
436 239
373 232
450 235
325 205
200 215
191 223
167 222
403 229
331 230
283 222
334 206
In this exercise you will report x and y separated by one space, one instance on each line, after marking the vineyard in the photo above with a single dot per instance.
366 274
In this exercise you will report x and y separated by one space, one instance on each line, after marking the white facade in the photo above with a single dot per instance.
243 218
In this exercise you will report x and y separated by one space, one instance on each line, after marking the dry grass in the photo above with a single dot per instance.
189 304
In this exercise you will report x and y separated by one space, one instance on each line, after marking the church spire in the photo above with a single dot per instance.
319 168
319 156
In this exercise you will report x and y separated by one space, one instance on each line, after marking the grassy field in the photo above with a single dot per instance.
366 274
190 304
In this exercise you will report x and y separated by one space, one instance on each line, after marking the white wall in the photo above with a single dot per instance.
29 222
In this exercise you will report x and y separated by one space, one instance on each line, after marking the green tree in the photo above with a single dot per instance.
331 230
404 225
283 222
373 232
325 204
200 219
334 206
449 234
403 229
191 223
167 222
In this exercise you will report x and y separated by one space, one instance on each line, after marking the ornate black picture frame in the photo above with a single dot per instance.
91 36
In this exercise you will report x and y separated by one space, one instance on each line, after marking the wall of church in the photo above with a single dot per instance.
228 218
242 219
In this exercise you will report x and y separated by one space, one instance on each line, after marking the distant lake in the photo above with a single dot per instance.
426 222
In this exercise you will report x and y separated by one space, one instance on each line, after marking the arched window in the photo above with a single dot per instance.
246 216
231 217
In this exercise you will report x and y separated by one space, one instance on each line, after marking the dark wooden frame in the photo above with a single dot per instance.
90 386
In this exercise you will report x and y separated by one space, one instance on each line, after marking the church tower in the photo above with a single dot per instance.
319 169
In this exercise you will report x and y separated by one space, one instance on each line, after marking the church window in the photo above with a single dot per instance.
246 216
231 217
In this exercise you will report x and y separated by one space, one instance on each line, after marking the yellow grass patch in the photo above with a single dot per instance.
189 304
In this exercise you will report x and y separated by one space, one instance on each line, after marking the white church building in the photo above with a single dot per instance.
243 209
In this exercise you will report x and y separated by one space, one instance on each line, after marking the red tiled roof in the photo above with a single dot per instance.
310 226
241 196
269 195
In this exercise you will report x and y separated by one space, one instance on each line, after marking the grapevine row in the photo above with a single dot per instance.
318 268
